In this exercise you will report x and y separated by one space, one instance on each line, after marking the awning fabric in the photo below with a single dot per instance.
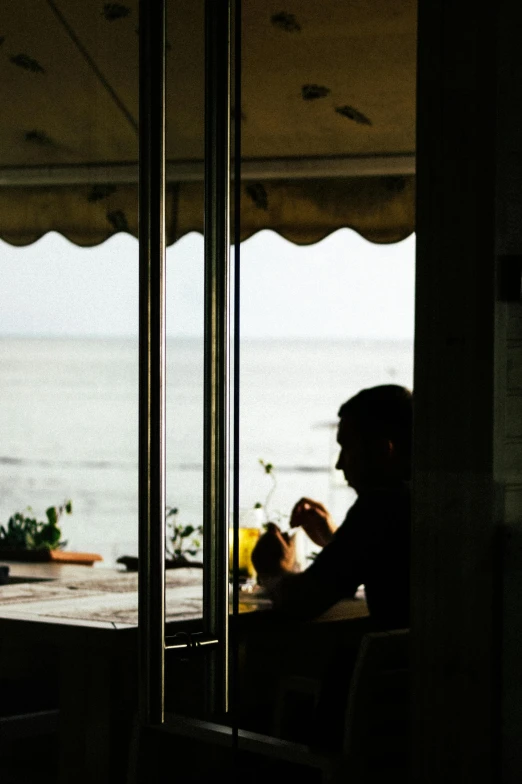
321 80
381 209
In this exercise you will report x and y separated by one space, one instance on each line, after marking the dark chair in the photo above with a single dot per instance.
375 729
377 726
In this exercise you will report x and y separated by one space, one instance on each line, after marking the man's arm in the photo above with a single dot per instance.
315 520
335 574
300 596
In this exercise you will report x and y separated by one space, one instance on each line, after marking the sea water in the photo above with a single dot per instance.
69 413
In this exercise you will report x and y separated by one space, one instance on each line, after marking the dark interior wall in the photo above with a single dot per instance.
455 499
508 462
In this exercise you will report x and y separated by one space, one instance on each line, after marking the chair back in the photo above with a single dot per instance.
377 726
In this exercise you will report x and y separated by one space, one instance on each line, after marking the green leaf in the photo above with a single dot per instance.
267 466
49 536
68 507
29 542
187 531
52 515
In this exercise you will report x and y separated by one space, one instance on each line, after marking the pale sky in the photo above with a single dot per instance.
342 287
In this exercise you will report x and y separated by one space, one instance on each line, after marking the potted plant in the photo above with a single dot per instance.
183 544
182 541
25 538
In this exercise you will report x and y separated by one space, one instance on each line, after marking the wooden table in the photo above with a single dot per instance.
81 622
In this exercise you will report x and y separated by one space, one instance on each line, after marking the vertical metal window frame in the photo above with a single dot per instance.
236 66
152 346
152 379
216 454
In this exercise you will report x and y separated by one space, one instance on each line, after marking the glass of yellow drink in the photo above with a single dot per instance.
247 541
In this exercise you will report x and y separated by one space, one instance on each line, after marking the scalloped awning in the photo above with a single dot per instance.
328 119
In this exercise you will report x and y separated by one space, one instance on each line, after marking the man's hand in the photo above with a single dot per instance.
315 519
274 553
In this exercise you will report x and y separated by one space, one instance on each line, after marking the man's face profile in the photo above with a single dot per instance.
351 459
365 459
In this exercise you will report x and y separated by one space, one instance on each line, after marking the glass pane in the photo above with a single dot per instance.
70 390
184 679
69 378
185 676
327 310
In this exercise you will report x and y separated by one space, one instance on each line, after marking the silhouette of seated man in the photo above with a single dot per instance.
372 546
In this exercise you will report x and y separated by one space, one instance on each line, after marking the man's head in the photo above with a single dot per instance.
374 434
